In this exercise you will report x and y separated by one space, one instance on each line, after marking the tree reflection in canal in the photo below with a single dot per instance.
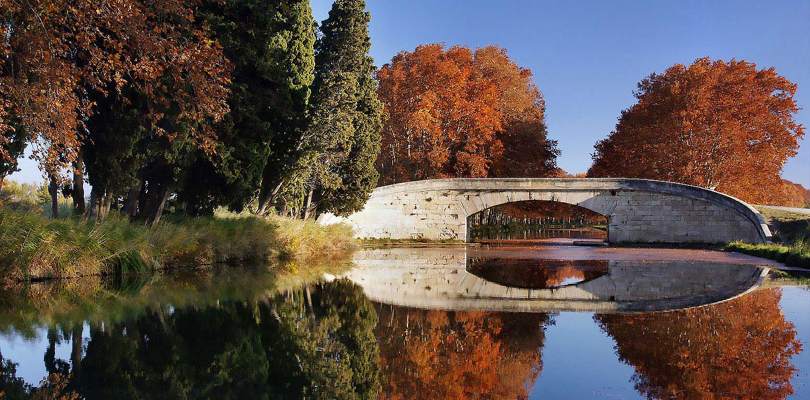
315 342
737 349
434 354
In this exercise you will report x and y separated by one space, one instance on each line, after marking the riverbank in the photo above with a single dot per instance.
791 232
35 248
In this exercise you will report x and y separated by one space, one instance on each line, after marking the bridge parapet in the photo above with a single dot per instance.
637 210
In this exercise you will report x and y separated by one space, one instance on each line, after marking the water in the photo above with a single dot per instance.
539 236
539 322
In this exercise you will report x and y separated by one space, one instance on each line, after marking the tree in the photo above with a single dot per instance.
71 56
336 172
459 113
720 125
271 45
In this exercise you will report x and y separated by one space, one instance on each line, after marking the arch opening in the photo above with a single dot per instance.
536 222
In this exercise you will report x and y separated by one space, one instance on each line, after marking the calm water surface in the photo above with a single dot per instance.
542 322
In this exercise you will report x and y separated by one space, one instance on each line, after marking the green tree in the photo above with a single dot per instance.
271 45
343 141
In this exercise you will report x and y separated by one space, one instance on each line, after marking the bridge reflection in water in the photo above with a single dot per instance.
475 279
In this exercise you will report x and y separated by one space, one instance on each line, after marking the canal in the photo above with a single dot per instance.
553 321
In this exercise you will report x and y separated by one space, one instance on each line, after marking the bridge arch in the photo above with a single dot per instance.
638 210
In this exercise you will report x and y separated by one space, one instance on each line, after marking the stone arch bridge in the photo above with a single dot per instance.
637 210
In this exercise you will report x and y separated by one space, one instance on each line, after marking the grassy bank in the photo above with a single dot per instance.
794 255
34 247
791 233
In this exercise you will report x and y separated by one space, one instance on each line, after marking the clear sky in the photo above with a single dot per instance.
588 56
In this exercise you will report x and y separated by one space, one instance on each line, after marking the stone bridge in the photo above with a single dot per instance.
637 210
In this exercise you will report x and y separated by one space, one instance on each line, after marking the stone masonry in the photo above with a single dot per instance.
637 210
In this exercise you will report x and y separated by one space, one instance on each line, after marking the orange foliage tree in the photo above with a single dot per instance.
58 55
720 125
461 113
476 354
736 349
796 195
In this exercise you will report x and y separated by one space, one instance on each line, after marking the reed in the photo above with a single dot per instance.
33 247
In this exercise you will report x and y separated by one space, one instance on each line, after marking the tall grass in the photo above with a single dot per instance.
33 247
797 254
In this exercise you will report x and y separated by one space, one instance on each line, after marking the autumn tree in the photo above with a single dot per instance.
736 349
148 56
721 125
461 113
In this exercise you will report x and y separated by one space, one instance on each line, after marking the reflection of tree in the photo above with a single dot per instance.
314 343
533 273
736 349
11 386
454 355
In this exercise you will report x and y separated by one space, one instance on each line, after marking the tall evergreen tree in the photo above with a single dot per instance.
271 45
343 140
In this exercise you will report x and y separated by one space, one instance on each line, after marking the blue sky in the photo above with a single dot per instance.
588 56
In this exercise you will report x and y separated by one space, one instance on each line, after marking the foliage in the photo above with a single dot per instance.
59 56
736 349
271 46
341 145
459 113
35 248
720 125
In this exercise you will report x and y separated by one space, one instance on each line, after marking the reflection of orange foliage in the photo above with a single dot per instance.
457 355
737 349
533 273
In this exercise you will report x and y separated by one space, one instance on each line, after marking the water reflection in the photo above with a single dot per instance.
738 349
313 342
535 274
431 354
475 279
254 334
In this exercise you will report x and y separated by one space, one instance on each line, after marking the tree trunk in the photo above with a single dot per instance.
131 204
308 205
267 192
78 185
105 204
94 203
157 203
53 189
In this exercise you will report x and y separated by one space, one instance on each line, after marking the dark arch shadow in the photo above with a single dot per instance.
534 222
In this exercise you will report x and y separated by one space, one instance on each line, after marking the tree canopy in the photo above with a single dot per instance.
720 125
461 113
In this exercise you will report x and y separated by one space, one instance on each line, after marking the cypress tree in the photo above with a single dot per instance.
344 137
271 46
